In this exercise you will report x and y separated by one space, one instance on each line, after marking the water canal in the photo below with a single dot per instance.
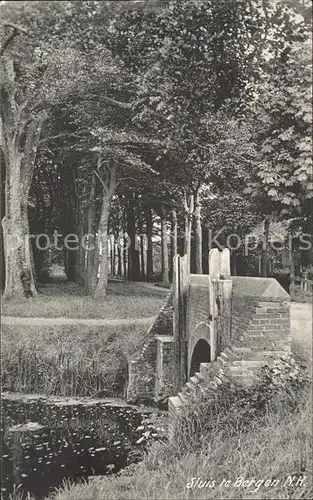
45 442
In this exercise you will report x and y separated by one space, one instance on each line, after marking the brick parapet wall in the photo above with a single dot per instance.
198 305
254 317
142 369
198 309
242 310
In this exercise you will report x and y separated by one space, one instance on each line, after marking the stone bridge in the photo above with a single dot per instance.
210 327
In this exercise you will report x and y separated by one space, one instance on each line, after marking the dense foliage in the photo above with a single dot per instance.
148 114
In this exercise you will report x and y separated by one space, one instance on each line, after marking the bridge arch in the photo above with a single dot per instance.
202 331
201 354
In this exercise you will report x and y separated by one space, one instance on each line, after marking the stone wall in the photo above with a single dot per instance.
142 369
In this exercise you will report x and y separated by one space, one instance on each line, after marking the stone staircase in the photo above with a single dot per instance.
238 364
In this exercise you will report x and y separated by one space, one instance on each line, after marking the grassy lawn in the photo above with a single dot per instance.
62 299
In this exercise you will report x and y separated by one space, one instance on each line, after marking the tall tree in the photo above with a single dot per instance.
54 62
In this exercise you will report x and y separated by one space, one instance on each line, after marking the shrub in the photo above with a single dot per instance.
232 408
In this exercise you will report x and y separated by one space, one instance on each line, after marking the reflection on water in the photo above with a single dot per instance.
43 444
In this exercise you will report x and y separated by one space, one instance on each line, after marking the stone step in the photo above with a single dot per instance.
237 362
223 377
224 357
203 389
175 403
218 379
199 376
204 369
241 371
184 398
194 380
219 361
188 388
185 390
235 369
191 387
254 363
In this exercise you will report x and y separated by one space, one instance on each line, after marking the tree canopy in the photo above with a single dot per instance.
146 116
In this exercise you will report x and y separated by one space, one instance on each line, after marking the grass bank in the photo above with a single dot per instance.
65 299
69 360
236 439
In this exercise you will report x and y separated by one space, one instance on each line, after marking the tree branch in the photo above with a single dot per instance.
58 136
73 100
10 38
101 181
15 26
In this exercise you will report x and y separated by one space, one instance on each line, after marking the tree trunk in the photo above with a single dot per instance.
133 252
110 250
164 237
114 249
96 262
188 225
125 255
80 261
198 233
82 256
2 262
16 233
119 260
265 248
174 233
104 241
91 275
142 257
292 271
174 243
109 187
19 140
149 222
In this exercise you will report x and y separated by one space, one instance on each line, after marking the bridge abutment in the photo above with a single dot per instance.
164 383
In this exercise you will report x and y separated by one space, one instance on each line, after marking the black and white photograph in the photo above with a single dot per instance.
156 257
